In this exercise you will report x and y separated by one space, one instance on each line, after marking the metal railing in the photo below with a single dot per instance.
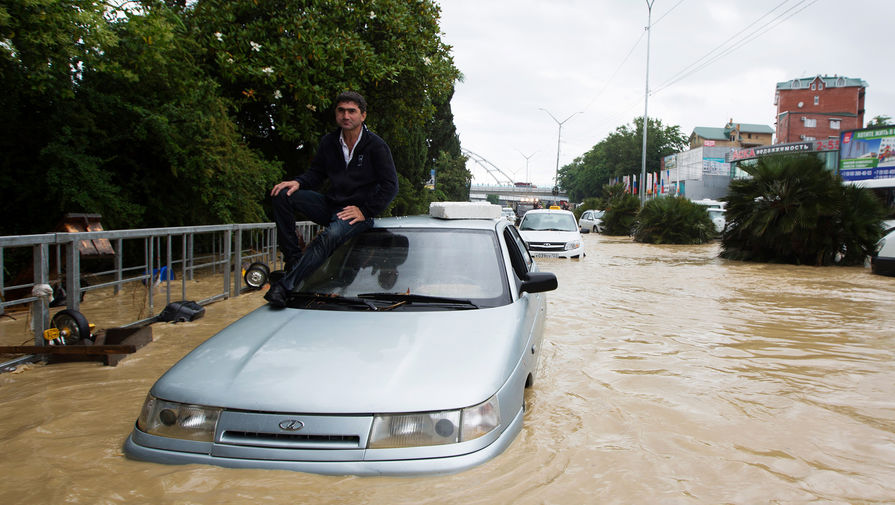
223 250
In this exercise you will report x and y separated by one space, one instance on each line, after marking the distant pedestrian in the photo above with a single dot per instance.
363 181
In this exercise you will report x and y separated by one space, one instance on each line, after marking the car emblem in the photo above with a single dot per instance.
546 244
291 425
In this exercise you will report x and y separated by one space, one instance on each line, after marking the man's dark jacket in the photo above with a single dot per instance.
369 181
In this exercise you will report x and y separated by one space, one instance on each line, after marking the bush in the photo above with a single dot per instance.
673 220
793 210
620 215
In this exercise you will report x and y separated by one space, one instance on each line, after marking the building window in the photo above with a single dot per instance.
820 85
816 100
813 86
808 138
810 123
835 124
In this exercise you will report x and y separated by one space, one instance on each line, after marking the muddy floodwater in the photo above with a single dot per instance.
668 376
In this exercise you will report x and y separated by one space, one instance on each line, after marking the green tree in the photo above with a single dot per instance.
44 47
280 63
879 121
792 210
673 220
621 214
151 143
619 154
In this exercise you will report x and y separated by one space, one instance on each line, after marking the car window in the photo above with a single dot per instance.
587 214
440 262
519 255
548 222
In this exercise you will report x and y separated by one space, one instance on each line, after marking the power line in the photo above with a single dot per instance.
628 56
722 51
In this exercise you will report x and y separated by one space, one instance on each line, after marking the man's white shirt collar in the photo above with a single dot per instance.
346 152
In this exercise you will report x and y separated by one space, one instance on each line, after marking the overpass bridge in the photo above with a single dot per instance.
515 196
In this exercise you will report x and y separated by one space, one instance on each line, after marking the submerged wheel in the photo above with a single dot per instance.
73 327
256 275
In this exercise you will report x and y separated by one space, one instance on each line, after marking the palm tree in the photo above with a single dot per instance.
673 220
793 210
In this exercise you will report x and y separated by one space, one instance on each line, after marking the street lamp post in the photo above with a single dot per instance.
649 8
527 178
558 139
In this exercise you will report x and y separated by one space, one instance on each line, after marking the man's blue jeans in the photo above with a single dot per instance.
335 233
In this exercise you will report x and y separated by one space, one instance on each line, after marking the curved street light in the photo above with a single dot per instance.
558 138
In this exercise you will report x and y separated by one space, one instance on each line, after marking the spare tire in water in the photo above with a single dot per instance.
256 275
73 327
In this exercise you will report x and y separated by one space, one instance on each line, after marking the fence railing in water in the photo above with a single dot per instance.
152 255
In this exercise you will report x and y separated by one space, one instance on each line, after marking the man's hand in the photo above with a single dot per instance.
289 186
351 214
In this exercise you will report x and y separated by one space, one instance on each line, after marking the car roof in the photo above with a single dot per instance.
435 223
549 211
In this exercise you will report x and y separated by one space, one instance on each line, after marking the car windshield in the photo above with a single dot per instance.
543 221
439 268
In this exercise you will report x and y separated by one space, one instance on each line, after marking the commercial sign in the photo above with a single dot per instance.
794 147
867 154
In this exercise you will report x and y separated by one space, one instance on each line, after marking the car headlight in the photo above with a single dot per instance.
178 420
434 428
879 246
575 244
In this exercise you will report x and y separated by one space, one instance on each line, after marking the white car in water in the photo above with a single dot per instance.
551 233
883 261
406 353
509 214
591 221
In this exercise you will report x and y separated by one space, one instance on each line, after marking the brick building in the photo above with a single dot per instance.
818 108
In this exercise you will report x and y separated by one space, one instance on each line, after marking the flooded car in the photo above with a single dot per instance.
407 352
883 261
591 221
551 233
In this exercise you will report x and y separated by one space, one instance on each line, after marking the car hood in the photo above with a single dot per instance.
549 236
313 361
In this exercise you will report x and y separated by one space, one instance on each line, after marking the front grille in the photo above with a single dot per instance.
547 246
274 439
314 432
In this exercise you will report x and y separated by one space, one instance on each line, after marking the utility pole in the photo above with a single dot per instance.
649 17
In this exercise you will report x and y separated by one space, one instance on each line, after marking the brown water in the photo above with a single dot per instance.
668 376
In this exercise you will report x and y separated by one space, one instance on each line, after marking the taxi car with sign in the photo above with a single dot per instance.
551 233
407 352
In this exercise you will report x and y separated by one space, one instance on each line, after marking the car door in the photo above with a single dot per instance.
533 306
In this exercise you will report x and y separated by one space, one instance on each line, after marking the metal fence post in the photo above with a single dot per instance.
72 275
237 261
40 309
227 261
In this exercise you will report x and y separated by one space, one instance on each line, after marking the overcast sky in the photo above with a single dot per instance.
709 61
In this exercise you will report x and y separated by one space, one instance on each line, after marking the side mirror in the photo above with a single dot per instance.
538 282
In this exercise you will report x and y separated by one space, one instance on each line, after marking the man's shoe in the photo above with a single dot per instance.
276 296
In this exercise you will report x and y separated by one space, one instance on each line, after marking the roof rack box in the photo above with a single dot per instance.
464 210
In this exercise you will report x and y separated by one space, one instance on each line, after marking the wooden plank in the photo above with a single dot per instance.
69 349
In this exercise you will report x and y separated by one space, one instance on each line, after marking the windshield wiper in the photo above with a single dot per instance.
409 298
331 298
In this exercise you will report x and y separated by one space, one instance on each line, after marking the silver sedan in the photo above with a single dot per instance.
406 353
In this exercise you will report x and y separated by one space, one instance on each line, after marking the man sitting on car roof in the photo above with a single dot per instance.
363 181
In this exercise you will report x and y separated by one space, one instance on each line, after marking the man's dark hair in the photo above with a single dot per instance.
351 96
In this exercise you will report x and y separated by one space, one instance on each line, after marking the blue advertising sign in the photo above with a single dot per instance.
867 154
